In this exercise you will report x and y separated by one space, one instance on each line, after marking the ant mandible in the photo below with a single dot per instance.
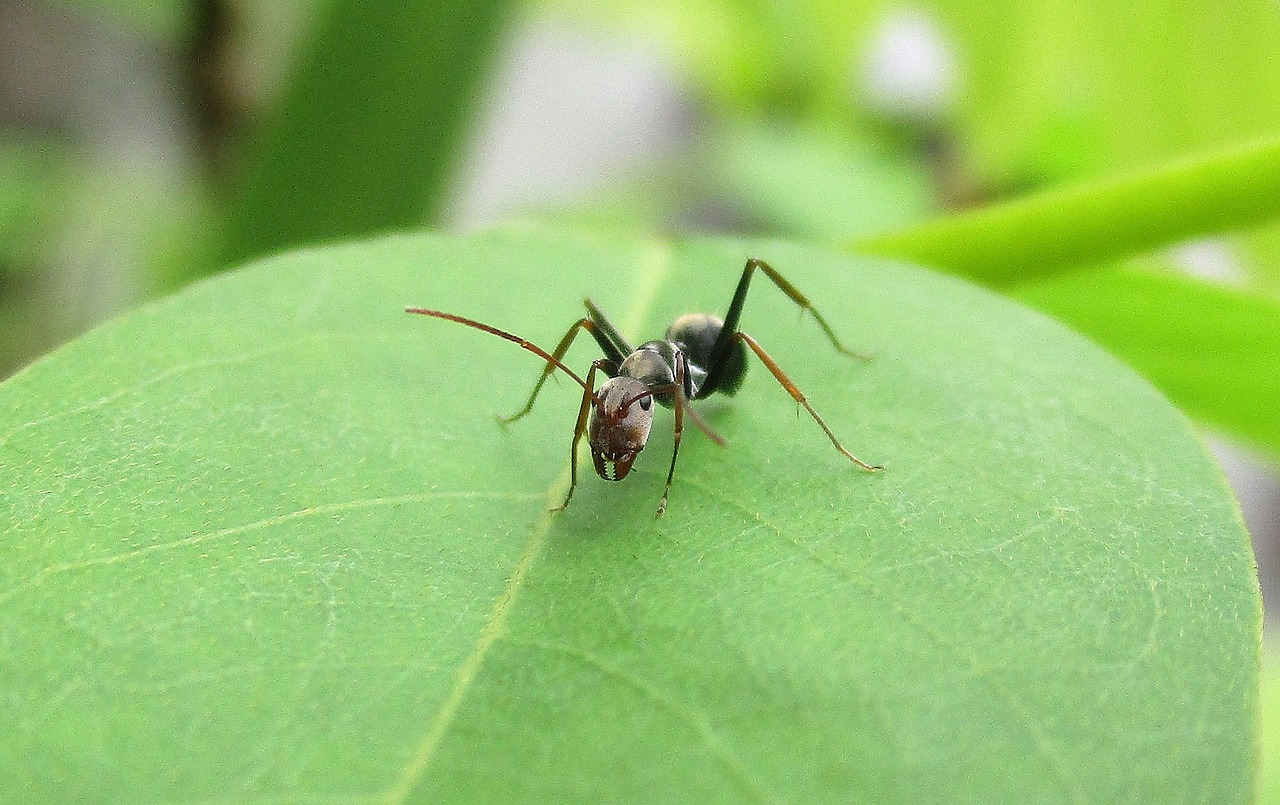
699 355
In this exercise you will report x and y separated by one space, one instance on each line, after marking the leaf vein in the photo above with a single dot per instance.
687 713
652 269
1040 741
195 539
159 377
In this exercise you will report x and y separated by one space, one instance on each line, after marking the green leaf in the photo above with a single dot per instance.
168 19
1214 351
1138 84
1089 223
366 137
805 182
35 193
1269 772
34 179
263 540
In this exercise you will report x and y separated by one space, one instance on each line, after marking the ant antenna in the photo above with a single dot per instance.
515 339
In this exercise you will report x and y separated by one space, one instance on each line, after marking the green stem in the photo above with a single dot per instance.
1089 223
366 137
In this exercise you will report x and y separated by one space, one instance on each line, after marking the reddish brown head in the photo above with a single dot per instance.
619 426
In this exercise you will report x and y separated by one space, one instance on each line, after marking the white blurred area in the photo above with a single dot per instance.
567 111
1257 487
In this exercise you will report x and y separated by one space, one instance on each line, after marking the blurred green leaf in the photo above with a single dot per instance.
366 137
1261 250
748 58
1046 92
661 198
263 540
783 179
803 182
1091 222
1214 351
33 190
1139 83
167 19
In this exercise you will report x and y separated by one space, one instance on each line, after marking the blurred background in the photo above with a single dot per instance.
145 144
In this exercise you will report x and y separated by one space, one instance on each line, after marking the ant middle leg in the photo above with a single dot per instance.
794 295
799 397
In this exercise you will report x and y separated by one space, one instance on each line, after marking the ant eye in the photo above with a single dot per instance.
646 402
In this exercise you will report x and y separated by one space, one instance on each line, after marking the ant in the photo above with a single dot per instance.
699 355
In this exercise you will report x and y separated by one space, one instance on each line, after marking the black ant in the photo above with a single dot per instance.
699 355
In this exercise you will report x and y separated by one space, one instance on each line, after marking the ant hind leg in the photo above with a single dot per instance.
719 361
799 397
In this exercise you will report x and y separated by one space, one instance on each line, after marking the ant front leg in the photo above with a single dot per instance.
584 411
799 397
558 354
681 404
676 390
601 330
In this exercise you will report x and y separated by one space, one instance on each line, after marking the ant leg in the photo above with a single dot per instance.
700 422
561 348
671 388
606 336
719 359
682 407
799 397
615 347
558 354
588 399
800 299
681 404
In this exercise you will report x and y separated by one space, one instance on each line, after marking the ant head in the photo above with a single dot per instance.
619 426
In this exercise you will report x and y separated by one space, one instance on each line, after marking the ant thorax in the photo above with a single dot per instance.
654 365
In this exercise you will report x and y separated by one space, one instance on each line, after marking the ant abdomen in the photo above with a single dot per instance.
696 333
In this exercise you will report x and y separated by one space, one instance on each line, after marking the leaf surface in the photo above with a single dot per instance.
263 541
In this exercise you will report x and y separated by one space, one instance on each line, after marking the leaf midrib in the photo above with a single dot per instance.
653 269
